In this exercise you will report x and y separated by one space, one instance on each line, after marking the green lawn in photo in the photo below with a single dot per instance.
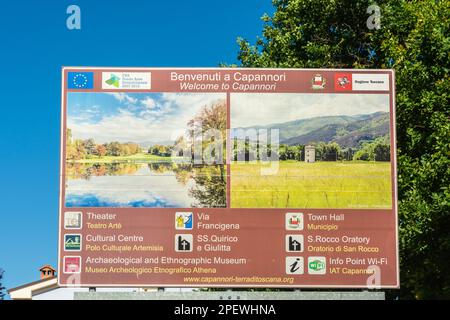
138 157
348 184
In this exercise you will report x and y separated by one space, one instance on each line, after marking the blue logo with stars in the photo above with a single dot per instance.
80 80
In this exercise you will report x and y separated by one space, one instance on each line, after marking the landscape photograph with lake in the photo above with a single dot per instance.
136 150
333 151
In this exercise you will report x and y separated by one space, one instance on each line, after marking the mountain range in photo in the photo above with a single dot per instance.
347 131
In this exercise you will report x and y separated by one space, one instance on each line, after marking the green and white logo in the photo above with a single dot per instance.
72 242
317 265
113 81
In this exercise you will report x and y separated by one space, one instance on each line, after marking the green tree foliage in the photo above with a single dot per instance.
328 151
113 149
89 146
382 152
377 150
121 149
291 152
100 150
160 150
347 154
209 127
82 149
70 146
413 39
251 151
210 186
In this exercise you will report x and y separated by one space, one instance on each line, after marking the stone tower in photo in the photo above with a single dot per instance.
310 154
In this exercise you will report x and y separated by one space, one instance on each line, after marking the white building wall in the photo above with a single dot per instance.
68 293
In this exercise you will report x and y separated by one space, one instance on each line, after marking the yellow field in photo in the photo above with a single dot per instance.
348 184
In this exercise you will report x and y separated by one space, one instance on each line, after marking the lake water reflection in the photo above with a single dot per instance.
166 185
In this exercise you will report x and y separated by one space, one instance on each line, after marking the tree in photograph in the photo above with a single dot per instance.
79 149
286 152
113 149
299 153
413 39
328 151
210 186
160 150
70 147
183 172
365 153
89 146
347 154
211 119
320 150
331 152
376 150
382 152
80 152
100 150
213 116
134 148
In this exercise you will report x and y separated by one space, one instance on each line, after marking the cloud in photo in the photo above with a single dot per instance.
140 189
144 118
123 97
253 109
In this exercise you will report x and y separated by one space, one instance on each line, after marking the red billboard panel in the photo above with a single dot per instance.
217 177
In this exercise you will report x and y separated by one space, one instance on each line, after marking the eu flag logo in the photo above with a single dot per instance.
80 80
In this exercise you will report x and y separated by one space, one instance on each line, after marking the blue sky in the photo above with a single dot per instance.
35 44
156 118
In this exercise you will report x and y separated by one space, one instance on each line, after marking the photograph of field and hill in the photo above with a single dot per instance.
333 152
135 150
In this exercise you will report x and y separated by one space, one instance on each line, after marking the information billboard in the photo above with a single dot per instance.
228 177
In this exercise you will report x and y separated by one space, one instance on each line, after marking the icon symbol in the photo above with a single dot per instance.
183 242
184 220
294 265
113 81
72 242
72 220
294 221
80 80
343 81
318 82
294 243
317 265
72 264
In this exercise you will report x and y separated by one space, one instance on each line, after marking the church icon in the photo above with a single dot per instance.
294 243
183 242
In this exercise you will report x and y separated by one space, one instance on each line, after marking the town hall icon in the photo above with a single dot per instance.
183 242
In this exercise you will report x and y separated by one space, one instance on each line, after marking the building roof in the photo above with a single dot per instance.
27 291
47 266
